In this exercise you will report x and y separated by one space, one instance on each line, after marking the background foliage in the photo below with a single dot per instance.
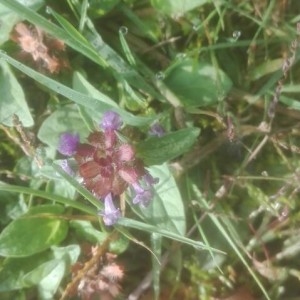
222 78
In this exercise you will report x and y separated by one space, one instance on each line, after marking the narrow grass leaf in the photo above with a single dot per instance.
156 244
290 102
165 233
175 8
79 98
49 196
230 241
125 47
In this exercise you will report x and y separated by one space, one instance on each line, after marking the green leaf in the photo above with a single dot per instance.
100 8
17 273
176 8
8 20
79 98
291 88
225 226
70 253
34 232
265 68
156 245
64 119
125 46
9 205
60 187
48 275
197 83
166 209
157 150
13 270
290 102
165 233
85 230
35 192
51 271
81 85
148 27
12 100
88 232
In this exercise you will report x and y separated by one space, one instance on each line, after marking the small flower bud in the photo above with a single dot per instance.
111 121
157 130
111 214
68 143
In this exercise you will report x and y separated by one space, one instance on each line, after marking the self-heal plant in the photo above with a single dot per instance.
108 166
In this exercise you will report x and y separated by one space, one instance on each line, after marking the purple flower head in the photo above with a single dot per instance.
111 214
111 121
68 143
157 130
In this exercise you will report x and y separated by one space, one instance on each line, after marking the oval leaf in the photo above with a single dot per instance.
197 84
34 232
65 119
166 210
176 8
157 150
13 270
12 100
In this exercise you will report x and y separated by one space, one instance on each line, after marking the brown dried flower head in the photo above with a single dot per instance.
101 279
44 50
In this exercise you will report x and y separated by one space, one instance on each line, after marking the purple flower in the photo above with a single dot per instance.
68 143
66 167
143 196
144 193
157 130
111 214
111 121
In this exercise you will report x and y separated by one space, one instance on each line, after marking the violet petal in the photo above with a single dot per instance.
111 214
157 130
68 143
111 121
143 196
